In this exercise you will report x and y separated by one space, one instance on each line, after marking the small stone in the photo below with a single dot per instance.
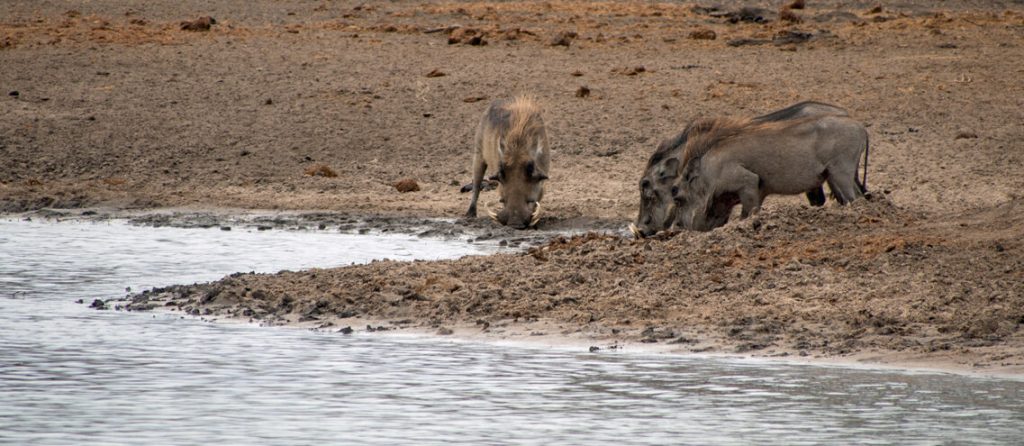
594 348
583 91
787 15
407 185
966 134
98 304
562 38
14 93
444 331
703 34
436 73
346 330
321 170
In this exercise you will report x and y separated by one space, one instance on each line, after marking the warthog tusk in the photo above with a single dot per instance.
536 216
491 213
634 230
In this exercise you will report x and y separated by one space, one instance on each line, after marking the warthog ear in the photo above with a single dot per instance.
691 170
539 151
501 147
670 171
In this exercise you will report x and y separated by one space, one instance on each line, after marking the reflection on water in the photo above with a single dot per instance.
70 375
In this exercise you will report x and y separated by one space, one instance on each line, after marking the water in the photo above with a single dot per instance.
71 375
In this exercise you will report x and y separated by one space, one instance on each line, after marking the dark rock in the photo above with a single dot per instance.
594 348
746 42
346 330
200 24
703 34
786 36
562 38
98 304
749 15
444 331
583 91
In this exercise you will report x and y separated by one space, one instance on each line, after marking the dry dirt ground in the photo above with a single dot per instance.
299 105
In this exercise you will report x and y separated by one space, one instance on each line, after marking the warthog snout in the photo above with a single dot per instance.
520 217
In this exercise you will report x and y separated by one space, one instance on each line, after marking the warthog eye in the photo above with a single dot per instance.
675 190
645 184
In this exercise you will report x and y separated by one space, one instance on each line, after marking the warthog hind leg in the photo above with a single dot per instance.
845 187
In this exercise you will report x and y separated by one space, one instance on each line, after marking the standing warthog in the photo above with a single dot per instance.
511 139
657 210
729 162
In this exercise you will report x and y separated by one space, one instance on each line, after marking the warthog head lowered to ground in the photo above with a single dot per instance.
511 141
657 210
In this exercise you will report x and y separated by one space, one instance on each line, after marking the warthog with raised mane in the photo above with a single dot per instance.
656 200
512 142
728 162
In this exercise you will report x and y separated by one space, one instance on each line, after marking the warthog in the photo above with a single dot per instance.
729 162
511 139
656 200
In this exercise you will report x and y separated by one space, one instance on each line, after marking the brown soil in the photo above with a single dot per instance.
119 107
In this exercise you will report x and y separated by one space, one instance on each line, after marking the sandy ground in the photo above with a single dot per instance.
113 105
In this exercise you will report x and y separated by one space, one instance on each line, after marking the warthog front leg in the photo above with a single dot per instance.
816 196
748 186
479 167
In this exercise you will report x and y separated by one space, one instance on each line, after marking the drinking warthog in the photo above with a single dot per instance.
511 139
728 162
657 211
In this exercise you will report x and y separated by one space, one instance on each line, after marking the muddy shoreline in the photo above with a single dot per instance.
771 287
